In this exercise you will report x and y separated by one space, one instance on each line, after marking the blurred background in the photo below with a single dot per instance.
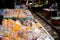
46 11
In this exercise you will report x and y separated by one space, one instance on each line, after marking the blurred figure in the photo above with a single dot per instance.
54 6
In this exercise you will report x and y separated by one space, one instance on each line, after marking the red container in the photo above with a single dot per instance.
55 21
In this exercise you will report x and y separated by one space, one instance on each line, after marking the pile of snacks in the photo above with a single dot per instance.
18 13
29 29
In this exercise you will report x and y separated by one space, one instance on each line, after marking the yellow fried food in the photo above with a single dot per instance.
28 28
17 38
5 38
38 25
17 28
19 23
4 23
21 10
22 16
10 36
10 23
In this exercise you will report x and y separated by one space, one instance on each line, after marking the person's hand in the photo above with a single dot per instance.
49 7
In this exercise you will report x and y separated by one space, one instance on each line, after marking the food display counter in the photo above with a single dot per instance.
24 27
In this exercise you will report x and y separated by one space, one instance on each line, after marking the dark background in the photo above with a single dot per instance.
6 4
10 3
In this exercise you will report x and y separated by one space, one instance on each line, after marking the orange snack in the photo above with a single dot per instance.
21 10
5 38
38 25
22 16
17 28
4 23
10 36
7 14
18 38
28 28
19 23
10 23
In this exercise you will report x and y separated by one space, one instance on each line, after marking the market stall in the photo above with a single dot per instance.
19 24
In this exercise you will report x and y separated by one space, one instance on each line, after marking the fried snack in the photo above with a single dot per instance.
22 15
4 23
5 38
10 23
28 28
38 25
17 28
19 23
24 34
9 36
21 10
